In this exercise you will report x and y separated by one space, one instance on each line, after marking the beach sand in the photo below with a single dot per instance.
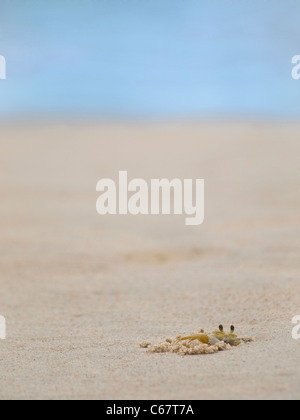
80 292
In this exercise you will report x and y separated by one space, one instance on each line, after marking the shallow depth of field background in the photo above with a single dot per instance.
155 59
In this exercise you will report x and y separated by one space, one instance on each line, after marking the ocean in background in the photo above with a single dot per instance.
158 58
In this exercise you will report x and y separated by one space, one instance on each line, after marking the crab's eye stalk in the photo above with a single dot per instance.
221 328
232 328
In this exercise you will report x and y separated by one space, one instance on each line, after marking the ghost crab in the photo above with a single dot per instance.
217 336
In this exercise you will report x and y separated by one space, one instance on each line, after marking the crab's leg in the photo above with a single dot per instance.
203 338
247 340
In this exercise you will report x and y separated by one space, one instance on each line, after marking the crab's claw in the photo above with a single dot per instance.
231 338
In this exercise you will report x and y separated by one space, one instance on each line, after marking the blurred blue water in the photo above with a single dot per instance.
155 58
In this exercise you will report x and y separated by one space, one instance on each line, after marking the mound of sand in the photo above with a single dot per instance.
184 348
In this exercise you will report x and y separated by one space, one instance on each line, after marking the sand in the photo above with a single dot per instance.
80 292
